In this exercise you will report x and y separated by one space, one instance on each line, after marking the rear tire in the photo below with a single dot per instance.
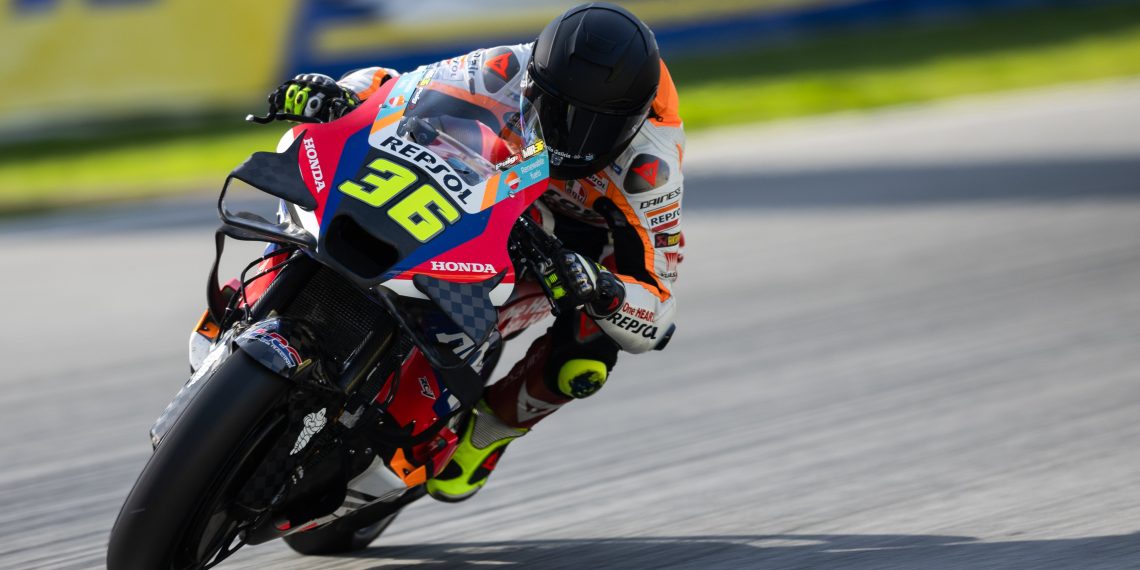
191 467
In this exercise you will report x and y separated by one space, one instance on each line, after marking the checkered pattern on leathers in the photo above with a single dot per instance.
468 304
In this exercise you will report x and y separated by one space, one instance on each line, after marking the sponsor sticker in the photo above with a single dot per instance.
576 191
463 267
279 345
500 65
509 162
660 200
440 171
598 182
667 240
314 164
637 312
664 219
648 171
633 325
313 424
555 153
425 388
531 150
454 69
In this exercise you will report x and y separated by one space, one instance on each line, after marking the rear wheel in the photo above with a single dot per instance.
176 516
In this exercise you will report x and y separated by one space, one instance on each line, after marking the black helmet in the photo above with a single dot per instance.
592 78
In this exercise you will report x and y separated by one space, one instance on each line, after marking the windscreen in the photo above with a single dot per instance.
477 135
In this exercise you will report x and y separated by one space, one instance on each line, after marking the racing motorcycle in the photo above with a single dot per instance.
329 380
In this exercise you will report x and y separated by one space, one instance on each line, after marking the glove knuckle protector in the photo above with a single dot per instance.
587 285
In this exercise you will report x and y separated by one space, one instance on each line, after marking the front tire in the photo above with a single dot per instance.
191 468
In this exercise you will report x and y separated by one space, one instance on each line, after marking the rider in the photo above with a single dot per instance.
608 112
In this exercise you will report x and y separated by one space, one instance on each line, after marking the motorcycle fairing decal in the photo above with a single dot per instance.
354 152
411 407
337 147
396 100
506 184
312 423
469 198
467 250
482 241
479 240
467 304
267 346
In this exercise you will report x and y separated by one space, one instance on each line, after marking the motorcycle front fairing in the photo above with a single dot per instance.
412 197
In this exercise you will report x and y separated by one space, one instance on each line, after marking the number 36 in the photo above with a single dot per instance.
421 213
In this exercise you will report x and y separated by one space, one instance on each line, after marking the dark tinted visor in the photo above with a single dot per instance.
577 137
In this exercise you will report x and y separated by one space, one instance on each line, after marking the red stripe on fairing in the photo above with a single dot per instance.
328 141
490 247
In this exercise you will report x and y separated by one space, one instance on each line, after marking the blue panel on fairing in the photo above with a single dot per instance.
466 229
352 157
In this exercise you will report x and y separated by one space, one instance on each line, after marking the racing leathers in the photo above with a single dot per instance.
627 217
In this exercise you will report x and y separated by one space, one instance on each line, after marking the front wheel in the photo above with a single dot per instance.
175 516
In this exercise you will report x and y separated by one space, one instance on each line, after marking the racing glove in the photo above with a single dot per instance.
313 97
581 283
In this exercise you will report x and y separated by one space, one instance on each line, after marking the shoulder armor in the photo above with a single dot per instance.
645 173
500 65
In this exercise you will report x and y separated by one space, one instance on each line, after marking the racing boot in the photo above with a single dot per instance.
496 421
483 442
536 387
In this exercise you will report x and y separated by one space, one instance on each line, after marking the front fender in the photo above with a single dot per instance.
285 346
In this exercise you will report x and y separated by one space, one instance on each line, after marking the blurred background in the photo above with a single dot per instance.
910 301
144 97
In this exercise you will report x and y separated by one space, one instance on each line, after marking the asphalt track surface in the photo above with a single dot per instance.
906 341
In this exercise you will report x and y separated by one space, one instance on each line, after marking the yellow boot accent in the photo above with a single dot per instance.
580 378
483 442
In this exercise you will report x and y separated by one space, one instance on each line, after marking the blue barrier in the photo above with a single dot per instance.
675 39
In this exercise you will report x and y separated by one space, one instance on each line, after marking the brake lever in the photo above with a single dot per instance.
541 246
554 308
261 120
272 116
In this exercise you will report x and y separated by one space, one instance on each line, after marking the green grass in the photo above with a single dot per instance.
877 68
834 72
42 177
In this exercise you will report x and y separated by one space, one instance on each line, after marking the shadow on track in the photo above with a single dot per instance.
888 186
838 552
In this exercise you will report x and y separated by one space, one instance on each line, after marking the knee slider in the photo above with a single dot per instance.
581 377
